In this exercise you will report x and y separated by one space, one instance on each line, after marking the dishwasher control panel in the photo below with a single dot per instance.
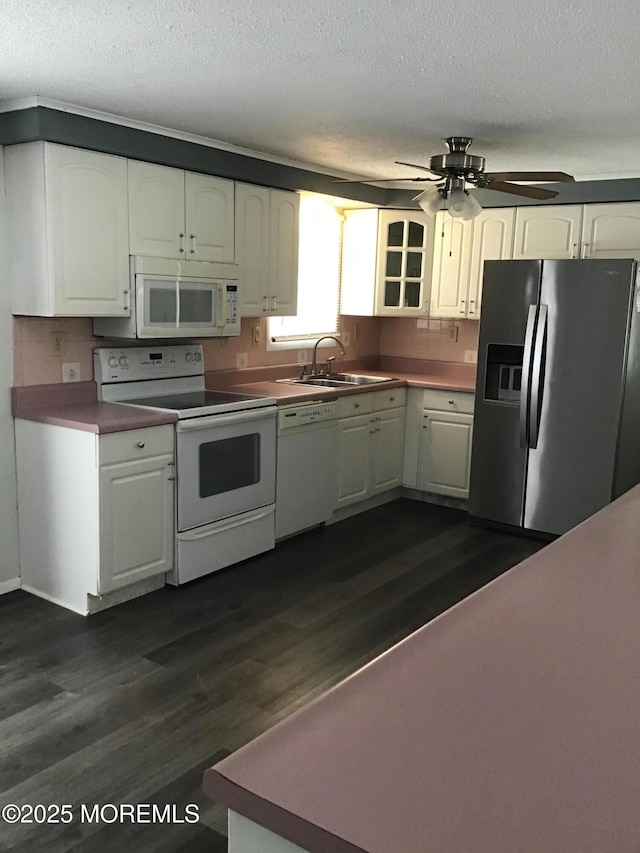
308 413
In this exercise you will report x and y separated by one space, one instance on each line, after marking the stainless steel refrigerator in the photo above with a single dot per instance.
557 413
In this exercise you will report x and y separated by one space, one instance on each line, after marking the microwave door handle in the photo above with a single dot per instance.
220 318
529 337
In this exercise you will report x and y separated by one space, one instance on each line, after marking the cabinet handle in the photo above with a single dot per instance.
462 306
574 251
265 307
141 444
171 464
472 306
171 479
181 236
275 303
127 300
193 249
425 422
585 250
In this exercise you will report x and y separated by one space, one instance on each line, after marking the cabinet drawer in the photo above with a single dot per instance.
394 398
135 444
448 401
354 404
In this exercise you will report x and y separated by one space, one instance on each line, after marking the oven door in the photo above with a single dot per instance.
226 464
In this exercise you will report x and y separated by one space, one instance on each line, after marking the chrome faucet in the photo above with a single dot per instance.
314 365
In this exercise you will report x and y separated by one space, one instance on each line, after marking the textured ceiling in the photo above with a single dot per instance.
349 86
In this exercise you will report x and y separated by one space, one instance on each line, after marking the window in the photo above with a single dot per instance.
318 277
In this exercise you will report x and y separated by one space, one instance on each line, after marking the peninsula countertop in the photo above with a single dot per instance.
509 723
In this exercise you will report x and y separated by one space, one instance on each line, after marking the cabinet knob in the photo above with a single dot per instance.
451 402
141 444
356 405
171 479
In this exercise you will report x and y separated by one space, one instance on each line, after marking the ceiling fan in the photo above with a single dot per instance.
458 168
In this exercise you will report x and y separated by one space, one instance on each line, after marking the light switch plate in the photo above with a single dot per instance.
470 356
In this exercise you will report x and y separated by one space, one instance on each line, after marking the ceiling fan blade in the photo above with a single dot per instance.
517 189
379 180
416 166
535 177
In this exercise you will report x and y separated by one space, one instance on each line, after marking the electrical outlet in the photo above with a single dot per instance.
242 359
470 356
452 333
71 372
58 343
302 356
346 338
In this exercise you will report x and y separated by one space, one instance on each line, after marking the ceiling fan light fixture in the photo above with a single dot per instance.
462 205
431 201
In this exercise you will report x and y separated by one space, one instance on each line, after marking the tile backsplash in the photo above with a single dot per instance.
42 345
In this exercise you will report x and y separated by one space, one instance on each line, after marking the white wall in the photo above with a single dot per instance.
9 566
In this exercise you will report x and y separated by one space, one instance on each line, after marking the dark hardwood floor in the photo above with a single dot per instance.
132 704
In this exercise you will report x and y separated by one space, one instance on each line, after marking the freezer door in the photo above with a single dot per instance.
499 454
577 382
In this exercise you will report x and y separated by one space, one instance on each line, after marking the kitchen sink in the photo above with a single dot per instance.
338 380
318 380
360 378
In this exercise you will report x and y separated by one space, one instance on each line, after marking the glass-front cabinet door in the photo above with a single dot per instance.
404 262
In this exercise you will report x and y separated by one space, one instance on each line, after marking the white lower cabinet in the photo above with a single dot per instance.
96 512
438 442
370 444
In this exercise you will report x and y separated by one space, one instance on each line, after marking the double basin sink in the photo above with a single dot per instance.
338 380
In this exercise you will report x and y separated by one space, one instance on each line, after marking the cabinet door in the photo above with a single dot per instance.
611 231
252 248
284 218
492 241
548 231
87 219
136 521
451 265
388 450
156 210
210 225
444 459
353 459
404 263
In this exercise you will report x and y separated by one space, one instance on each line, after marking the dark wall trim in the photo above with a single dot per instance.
44 123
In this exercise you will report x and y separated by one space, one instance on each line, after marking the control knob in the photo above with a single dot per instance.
123 361
113 361
189 357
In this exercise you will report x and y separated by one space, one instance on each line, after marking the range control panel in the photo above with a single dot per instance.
131 364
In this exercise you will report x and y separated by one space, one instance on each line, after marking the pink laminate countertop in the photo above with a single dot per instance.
288 393
96 416
509 724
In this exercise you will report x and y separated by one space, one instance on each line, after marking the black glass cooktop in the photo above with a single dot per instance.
193 400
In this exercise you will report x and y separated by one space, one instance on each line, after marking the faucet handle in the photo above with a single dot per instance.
304 372
328 365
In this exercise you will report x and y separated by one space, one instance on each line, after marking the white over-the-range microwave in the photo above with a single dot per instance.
178 299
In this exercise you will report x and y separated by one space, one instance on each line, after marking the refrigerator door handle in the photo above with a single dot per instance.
526 374
536 378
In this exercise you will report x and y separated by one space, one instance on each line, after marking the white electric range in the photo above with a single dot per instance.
225 453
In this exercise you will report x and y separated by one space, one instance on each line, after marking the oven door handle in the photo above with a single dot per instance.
222 420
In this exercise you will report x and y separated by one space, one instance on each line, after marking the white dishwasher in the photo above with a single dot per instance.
307 467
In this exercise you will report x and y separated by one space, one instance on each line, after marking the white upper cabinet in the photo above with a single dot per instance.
578 231
460 250
387 259
67 231
177 214
548 231
451 266
611 230
492 241
267 232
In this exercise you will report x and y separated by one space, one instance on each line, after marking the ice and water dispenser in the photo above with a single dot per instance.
504 373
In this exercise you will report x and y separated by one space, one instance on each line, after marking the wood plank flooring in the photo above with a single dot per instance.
132 705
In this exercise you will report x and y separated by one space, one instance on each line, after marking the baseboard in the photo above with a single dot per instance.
9 586
432 498
363 506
